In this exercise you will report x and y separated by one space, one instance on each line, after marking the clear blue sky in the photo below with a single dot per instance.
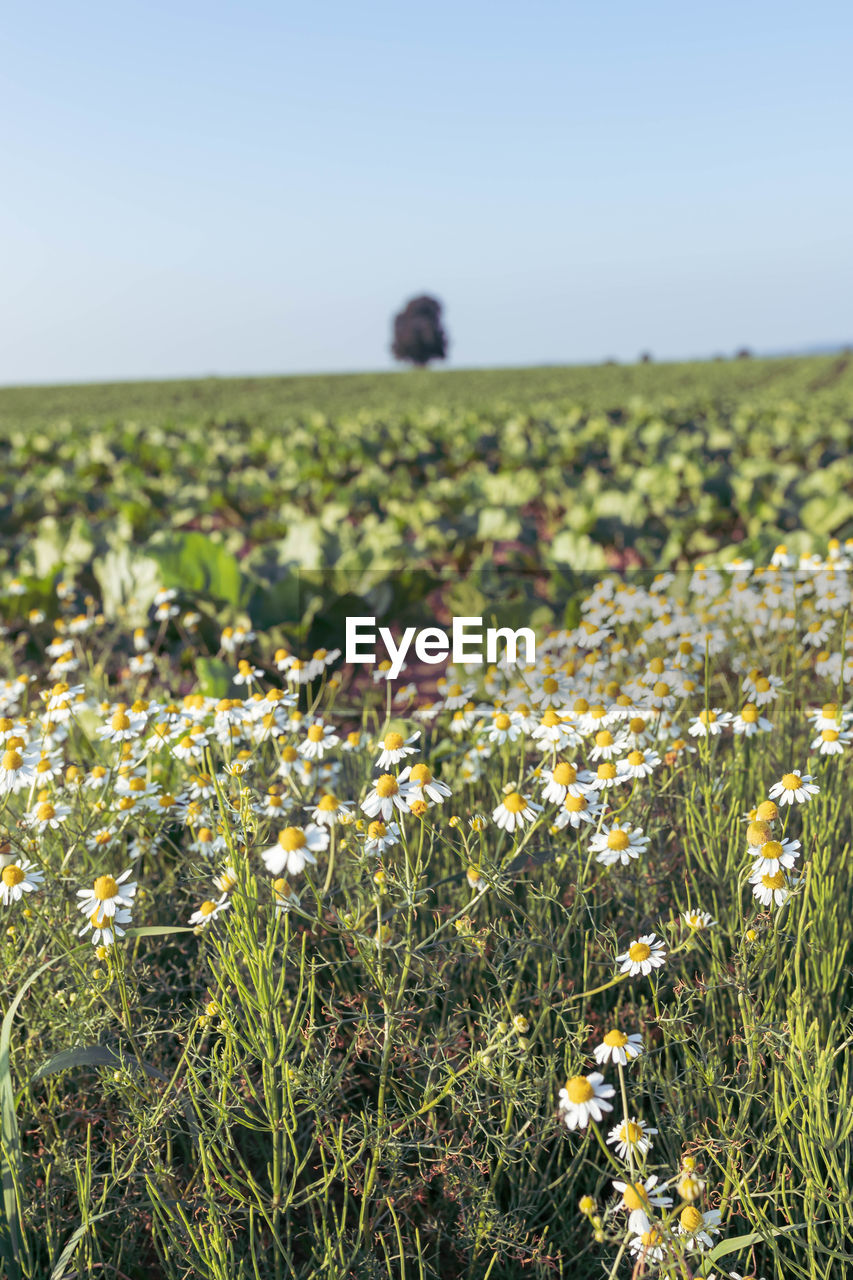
194 188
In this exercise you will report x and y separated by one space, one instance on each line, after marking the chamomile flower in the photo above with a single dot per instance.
105 928
295 848
329 810
794 787
709 723
514 811
319 738
107 894
770 887
386 795
209 911
421 785
773 855
639 763
648 1246
698 920
618 844
381 836
563 780
578 809
631 1135
395 748
617 1046
504 728
643 955
584 1098
17 768
698 1227
18 878
830 742
639 1198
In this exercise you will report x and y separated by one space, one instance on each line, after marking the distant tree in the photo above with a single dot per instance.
744 353
646 357
418 332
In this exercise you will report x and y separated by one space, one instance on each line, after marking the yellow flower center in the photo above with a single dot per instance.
691 1219
564 774
581 707
105 887
636 724
656 666
616 1039
661 689
771 849
776 881
45 812
420 775
757 833
762 684
515 802
393 741
604 738
791 781
749 713
386 786
634 1196
120 721
576 804
618 840
606 770
454 691
829 735
315 733
377 831
767 811
639 951
12 875
207 908
12 760
291 838
630 1132
579 1089
289 754
550 718
328 803
502 720
635 758
829 711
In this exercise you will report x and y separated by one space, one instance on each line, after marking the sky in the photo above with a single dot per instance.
222 188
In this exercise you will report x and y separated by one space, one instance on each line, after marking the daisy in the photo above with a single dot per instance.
319 739
18 878
618 1047
769 888
618 844
226 880
105 929
648 1246
381 836
578 809
698 1227
698 920
47 815
514 811
639 763
584 1098
504 728
749 721
643 955
294 848
17 768
631 1135
284 896
606 746
564 780
107 894
208 911
395 749
794 787
830 742
709 723
329 810
639 1198
421 785
385 795
774 855
554 732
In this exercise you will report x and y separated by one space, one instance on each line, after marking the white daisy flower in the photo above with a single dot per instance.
775 854
639 763
830 742
639 1198
385 796
17 769
618 844
709 723
698 1227
606 746
395 749
649 1246
584 1098
319 739
105 929
208 911
504 727
770 888
294 848
514 811
107 894
18 878
578 809
421 785
606 775
329 810
749 721
618 1047
698 920
646 953
564 780
381 836
631 1135
794 787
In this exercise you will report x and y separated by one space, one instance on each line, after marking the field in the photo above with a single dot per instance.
490 971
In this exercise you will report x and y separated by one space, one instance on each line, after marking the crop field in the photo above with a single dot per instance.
492 970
